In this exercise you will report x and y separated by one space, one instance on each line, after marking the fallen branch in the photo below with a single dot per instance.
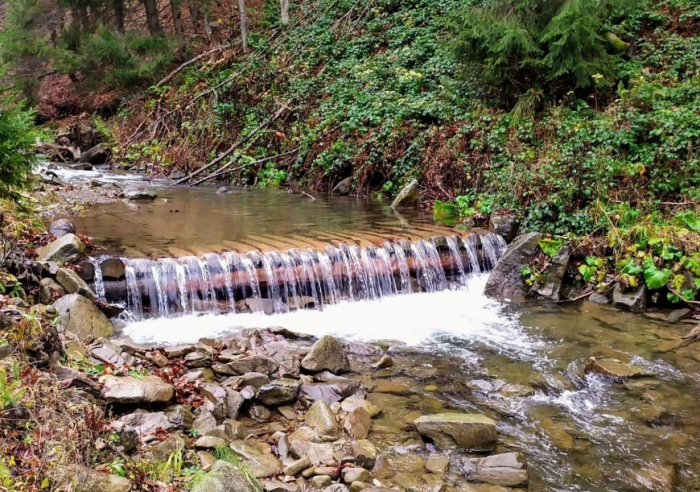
225 170
691 303
305 193
194 60
236 145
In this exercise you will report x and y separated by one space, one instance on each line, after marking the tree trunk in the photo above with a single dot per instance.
214 38
284 8
119 14
195 14
244 25
152 18
176 9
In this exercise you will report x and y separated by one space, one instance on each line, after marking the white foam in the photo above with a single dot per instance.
412 319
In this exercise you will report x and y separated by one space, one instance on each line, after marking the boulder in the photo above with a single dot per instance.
553 280
358 474
255 363
105 350
506 470
350 404
364 453
223 191
321 418
78 315
297 467
599 298
472 432
209 442
358 423
234 403
73 284
99 154
328 353
147 423
66 249
176 174
344 187
215 399
505 226
135 193
607 366
332 391
279 392
49 290
225 477
407 197
505 281
88 480
86 270
128 390
257 458
635 300
61 227
112 269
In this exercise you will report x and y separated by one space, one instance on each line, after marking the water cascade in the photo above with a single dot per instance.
280 281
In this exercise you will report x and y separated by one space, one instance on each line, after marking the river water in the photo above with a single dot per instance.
578 432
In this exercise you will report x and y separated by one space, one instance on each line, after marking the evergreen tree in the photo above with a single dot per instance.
17 139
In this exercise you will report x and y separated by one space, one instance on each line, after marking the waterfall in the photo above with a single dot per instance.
281 281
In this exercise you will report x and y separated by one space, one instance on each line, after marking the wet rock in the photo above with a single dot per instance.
358 423
384 362
175 351
655 478
391 388
127 390
552 282
610 367
507 469
599 298
635 301
505 226
223 191
147 423
78 315
505 281
350 404
61 227
437 464
677 314
197 359
364 453
255 363
321 481
225 477
66 249
176 174
328 353
89 480
344 187
330 392
297 467
407 197
516 391
358 474
209 442
73 284
472 432
257 457
49 290
322 419
99 154
135 193
279 392
113 269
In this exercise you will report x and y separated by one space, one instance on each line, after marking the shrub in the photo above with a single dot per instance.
17 139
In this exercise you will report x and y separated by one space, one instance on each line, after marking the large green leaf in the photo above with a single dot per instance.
550 247
656 277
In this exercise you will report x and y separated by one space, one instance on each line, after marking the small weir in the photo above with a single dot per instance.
280 281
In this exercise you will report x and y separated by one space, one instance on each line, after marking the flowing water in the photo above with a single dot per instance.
522 365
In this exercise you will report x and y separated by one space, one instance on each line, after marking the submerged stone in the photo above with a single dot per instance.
472 432
507 469
610 367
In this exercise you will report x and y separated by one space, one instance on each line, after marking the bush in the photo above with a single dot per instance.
530 47
17 139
